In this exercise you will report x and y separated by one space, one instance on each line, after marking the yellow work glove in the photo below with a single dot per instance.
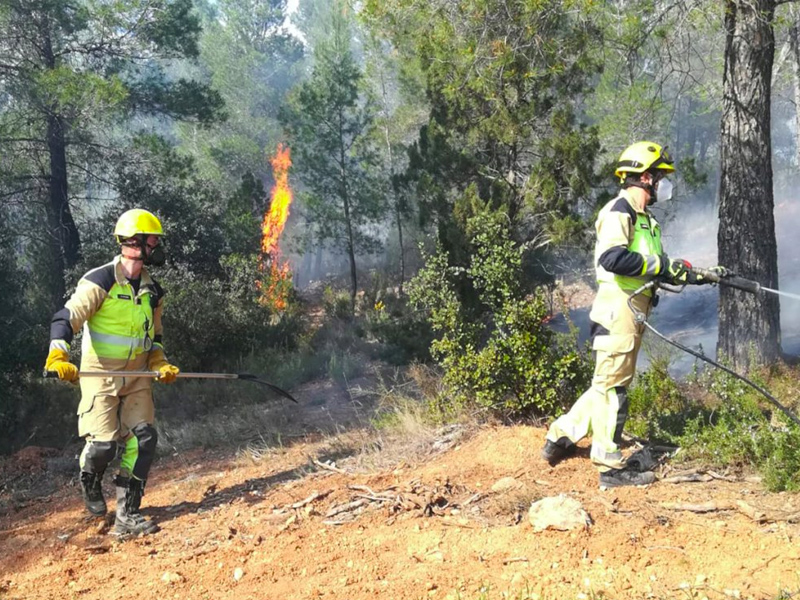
158 362
58 361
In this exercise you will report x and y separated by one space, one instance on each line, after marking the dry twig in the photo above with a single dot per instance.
705 507
312 498
329 467
342 508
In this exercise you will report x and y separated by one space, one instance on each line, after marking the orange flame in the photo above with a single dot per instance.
277 288
275 219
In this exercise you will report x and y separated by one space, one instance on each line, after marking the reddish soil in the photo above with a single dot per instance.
228 531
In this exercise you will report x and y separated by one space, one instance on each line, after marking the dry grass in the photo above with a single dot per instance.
242 425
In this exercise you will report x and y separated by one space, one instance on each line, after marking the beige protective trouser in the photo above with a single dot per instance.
111 408
602 409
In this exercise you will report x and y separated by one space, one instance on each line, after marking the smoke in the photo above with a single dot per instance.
690 232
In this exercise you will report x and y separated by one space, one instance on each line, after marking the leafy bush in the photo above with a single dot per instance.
500 353
729 428
212 323
337 304
404 334
659 411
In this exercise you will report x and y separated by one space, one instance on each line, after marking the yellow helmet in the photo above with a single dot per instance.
137 221
641 157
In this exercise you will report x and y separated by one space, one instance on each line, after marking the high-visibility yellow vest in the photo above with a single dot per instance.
123 328
620 225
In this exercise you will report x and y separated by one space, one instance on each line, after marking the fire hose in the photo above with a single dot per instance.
724 278
156 374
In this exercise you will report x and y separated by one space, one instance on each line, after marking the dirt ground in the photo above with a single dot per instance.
451 525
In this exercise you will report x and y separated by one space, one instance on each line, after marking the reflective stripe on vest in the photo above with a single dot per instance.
647 242
123 328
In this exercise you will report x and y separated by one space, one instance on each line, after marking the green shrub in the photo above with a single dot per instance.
659 411
337 304
343 367
404 334
210 324
499 354
729 428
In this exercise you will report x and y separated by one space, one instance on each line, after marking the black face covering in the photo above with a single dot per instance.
156 257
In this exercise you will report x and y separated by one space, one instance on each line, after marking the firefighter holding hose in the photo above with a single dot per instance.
119 306
627 254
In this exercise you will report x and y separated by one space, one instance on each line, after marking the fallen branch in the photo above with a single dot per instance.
705 507
348 506
462 525
312 498
716 475
762 517
364 488
515 559
749 511
792 518
376 498
690 478
473 498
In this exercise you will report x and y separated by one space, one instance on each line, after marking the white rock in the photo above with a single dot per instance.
169 577
505 484
558 512
238 573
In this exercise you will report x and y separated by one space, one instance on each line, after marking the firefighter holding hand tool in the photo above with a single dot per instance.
627 255
119 307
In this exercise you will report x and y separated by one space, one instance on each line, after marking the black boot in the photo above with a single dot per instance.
92 492
555 452
129 520
621 477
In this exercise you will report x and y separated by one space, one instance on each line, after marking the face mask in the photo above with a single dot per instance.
156 256
663 190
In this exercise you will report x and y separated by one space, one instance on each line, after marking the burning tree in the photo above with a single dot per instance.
275 288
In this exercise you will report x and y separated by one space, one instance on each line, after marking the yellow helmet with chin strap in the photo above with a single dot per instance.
137 221
641 157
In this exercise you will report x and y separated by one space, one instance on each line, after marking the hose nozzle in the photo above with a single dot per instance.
727 278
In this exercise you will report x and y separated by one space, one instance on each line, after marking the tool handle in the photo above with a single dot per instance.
730 280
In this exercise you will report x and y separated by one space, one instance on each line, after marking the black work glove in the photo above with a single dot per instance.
677 271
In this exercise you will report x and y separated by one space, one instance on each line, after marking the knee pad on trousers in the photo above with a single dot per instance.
96 456
147 438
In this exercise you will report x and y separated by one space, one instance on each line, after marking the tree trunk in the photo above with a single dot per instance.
399 218
398 213
351 248
66 232
794 41
63 232
749 325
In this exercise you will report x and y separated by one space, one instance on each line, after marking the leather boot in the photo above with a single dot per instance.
92 492
129 520
555 452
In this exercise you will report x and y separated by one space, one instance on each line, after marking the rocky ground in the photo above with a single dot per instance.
326 517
